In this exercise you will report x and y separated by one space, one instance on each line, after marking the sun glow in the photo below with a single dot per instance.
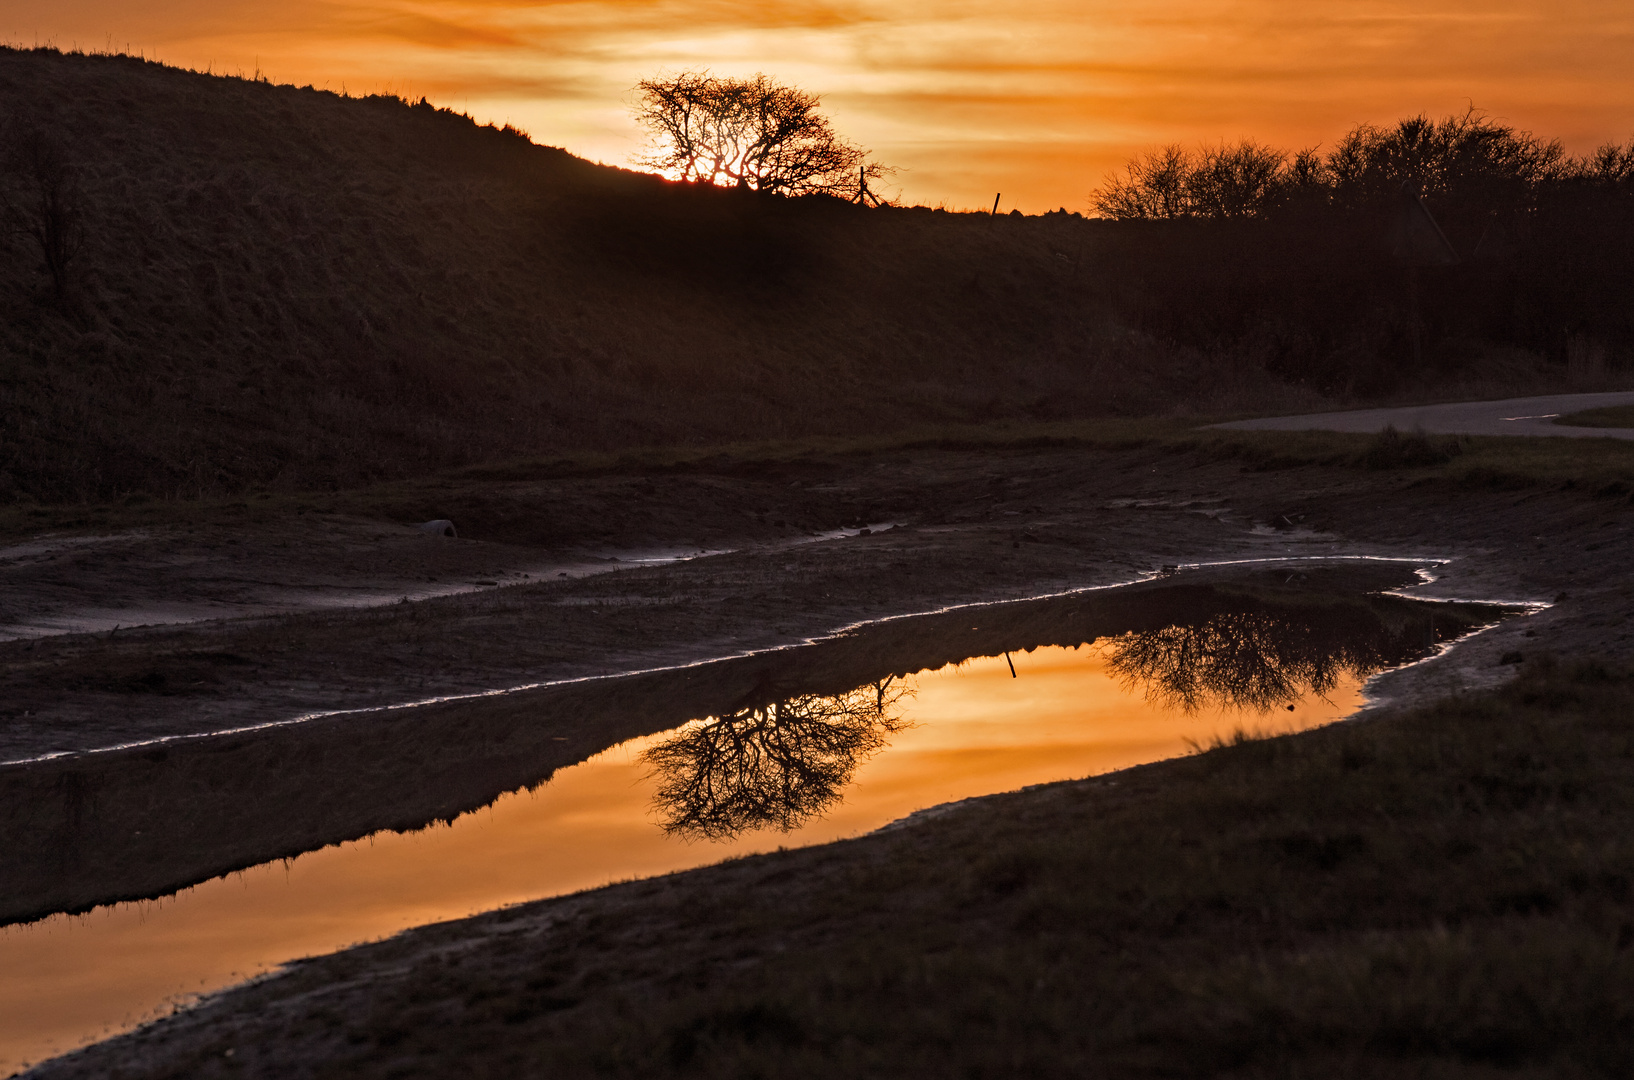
966 99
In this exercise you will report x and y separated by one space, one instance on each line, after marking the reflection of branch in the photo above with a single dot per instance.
779 764
1248 660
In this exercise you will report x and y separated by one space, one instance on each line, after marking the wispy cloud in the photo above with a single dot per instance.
1039 101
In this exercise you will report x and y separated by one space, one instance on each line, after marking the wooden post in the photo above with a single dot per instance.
996 199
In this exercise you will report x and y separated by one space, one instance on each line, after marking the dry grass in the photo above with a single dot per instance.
1619 416
500 500
1602 467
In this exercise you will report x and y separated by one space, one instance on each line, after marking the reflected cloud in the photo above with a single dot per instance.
777 765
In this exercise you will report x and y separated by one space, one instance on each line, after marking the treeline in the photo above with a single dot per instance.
1427 253
1465 165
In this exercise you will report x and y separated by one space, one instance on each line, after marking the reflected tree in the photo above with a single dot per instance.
1243 660
779 765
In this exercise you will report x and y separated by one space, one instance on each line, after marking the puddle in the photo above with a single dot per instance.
647 775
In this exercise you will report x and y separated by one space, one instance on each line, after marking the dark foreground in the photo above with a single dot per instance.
1439 892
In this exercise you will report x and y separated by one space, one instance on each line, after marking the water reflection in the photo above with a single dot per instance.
783 764
775 769
776 765
1250 660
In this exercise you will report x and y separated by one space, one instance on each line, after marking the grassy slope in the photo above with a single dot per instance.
284 288
1440 893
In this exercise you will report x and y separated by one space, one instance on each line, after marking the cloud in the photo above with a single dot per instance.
1044 99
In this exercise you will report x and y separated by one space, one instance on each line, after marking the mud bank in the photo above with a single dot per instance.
136 823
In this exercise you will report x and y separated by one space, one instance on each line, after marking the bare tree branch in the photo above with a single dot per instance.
750 133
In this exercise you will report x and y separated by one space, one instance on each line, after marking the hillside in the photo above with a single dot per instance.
284 288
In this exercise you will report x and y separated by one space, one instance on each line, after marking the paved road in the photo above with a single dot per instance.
1515 416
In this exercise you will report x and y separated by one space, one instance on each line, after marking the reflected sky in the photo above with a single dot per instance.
1037 101
963 731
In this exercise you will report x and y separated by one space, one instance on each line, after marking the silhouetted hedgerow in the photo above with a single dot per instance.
1302 263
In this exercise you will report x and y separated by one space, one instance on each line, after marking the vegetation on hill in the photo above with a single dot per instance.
1307 264
280 287
1471 166
272 287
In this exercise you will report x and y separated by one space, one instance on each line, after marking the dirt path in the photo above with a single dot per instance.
1534 416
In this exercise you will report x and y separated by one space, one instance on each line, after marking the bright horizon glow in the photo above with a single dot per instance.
967 100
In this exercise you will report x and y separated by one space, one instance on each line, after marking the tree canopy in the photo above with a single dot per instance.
1467 163
753 133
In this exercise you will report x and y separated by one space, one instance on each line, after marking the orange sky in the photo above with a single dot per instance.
1038 101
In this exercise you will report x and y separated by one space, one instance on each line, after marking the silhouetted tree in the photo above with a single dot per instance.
44 202
751 133
1228 181
1609 170
1468 162
1152 187
1235 181
779 764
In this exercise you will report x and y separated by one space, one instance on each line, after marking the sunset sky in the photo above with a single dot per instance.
967 98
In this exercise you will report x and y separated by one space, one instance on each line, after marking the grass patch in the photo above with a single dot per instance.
1392 449
1107 433
1616 416
447 493
1602 467
1598 467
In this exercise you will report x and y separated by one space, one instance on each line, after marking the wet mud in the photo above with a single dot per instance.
90 829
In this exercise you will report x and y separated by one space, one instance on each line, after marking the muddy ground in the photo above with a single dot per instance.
143 821
293 608
949 527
